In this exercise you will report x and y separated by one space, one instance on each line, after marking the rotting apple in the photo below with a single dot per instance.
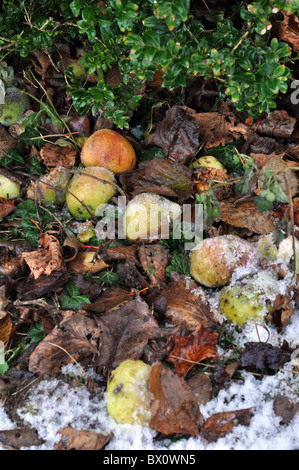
249 299
16 103
214 260
209 162
283 254
148 217
128 396
50 189
88 190
108 149
9 189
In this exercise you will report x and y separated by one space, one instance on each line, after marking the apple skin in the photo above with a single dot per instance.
108 149
9 189
213 261
148 217
128 397
90 191
249 300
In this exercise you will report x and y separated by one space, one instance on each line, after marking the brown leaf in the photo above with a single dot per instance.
75 339
178 134
279 167
174 408
54 155
7 142
247 216
220 424
159 176
47 258
70 248
118 253
20 437
6 207
110 298
288 30
5 328
264 356
72 439
285 408
80 126
187 303
214 129
154 260
192 349
124 331
277 123
201 386
35 288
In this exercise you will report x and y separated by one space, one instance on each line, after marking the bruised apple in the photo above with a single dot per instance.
214 260
50 188
148 217
215 170
128 397
87 190
249 300
108 149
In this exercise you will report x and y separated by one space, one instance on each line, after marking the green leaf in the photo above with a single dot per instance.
36 333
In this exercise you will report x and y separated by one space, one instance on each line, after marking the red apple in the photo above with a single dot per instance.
108 149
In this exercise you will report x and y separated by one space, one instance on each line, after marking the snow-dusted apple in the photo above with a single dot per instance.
148 217
214 260
50 189
89 189
128 397
249 300
108 149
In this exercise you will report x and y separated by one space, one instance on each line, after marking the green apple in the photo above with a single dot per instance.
9 189
128 397
214 260
148 217
16 103
250 299
88 189
50 188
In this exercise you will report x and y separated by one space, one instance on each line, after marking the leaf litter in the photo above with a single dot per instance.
213 385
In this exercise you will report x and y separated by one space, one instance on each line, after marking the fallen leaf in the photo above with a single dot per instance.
20 437
178 134
159 176
201 386
75 339
45 284
285 408
73 439
220 424
154 260
174 408
288 30
247 216
124 331
214 129
264 356
189 350
160 343
286 175
55 155
278 124
6 207
47 258
70 248
187 303
110 298
7 142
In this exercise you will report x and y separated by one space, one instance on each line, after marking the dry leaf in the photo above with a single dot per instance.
220 424
70 248
7 142
154 260
174 408
277 123
54 155
285 408
178 134
247 216
73 439
6 207
86 262
288 30
110 298
187 303
192 349
124 331
287 176
20 437
75 339
47 258
201 386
